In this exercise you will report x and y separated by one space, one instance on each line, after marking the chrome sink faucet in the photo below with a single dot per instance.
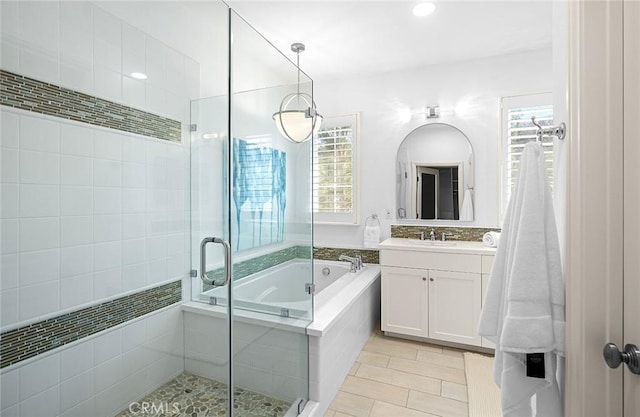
421 234
432 235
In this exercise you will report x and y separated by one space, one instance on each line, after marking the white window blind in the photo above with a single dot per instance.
334 184
518 130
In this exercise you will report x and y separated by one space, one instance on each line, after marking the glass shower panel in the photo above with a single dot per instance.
271 227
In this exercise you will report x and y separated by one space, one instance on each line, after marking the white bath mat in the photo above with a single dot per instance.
484 394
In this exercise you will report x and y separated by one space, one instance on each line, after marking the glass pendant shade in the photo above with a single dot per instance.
300 123
297 125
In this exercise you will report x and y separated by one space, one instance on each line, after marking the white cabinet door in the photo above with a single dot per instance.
454 306
404 301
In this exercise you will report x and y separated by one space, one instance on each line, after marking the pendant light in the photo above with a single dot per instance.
297 123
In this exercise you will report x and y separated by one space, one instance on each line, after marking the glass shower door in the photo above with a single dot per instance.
271 230
251 236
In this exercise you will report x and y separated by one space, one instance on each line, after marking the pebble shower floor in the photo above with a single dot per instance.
190 395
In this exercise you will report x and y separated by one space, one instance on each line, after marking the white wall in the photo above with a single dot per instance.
90 214
469 97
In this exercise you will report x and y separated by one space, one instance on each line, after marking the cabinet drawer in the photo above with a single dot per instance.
431 260
487 263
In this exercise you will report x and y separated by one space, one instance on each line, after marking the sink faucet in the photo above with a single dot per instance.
432 235
421 234
354 262
444 236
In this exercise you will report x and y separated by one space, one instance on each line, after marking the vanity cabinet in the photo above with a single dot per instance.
405 297
434 292
454 306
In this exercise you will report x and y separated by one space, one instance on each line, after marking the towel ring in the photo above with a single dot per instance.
372 218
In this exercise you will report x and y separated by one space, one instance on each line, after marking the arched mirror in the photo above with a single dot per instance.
434 174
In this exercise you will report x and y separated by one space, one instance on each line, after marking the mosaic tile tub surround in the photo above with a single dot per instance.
369 256
37 338
26 93
260 263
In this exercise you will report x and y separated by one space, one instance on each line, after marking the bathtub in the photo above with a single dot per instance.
272 348
280 290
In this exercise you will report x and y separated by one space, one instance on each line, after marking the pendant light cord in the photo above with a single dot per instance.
298 66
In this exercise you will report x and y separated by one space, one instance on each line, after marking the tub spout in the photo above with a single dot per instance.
354 262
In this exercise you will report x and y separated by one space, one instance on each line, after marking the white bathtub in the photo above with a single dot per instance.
281 290
346 309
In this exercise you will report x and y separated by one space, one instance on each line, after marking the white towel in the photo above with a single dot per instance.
491 239
466 212
524 307
371 236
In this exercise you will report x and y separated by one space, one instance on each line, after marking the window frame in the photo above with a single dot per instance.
507 103
352 218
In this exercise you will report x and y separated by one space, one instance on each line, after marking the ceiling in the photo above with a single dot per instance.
350 39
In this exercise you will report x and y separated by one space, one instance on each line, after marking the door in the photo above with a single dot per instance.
631 331
427 192
250 189
454 306
603 281
404 301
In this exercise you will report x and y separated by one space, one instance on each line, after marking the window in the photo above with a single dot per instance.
335 170
517 130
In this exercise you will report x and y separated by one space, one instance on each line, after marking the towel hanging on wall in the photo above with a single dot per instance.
371 231
466 213
523 311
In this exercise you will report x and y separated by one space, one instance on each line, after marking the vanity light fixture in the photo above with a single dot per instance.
299 123
138 75
432 112
423 9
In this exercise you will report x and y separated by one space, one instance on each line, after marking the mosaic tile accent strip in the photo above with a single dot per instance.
369 256
190 395
470 234
32 340
32 95
260 263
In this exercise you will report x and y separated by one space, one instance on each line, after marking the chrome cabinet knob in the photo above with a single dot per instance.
631 356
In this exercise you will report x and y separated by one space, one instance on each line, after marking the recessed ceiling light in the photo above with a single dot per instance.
139 76
423 9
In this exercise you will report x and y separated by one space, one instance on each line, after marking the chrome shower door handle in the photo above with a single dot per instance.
203 261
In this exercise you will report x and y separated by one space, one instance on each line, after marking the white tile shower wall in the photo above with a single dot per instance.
268 360
98 376
332 355
80 46
85 228
89 213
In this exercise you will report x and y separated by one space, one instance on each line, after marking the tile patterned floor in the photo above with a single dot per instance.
401 378
195 396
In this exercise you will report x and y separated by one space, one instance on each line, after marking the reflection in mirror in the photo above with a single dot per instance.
434 174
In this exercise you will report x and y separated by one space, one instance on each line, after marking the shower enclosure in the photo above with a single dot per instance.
251 213
156 228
